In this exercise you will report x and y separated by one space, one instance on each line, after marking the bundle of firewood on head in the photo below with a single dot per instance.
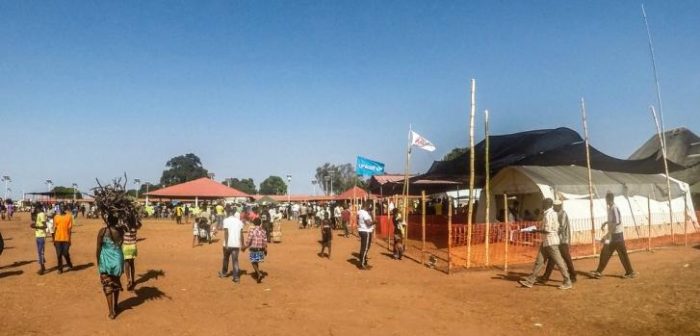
115 207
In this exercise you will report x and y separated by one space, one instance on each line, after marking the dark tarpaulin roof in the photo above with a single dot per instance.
682 148
547 147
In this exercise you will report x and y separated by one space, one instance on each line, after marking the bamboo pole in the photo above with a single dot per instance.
422 224
471 173
656 75
487 186
685 219
506 227
449 237
649 229
406 182
668 179
590 175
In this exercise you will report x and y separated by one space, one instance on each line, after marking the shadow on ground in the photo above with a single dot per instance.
143 294
17 264
150 274
10 273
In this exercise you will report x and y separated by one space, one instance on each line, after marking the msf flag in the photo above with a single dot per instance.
367 167
421 142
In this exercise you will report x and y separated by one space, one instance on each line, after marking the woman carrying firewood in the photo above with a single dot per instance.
119 215
110 260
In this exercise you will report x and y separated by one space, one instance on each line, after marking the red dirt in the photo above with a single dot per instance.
308 295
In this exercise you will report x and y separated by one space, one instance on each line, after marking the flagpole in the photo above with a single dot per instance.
668 179
471 172
590 175
406 181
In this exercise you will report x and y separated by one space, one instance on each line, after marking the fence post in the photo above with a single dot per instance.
449 237
506 227
422 224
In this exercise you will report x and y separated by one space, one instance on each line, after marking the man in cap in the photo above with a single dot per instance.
549 248
564 241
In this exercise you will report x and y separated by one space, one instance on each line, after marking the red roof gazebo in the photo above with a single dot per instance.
202 188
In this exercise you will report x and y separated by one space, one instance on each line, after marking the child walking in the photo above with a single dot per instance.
326 237
257 242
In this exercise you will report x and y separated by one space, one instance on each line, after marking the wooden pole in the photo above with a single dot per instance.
487 186
422 224
668 179
685 219
471 173
590 175
406 182
649 229
506 228
449 237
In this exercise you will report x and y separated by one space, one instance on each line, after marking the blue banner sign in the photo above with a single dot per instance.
367 167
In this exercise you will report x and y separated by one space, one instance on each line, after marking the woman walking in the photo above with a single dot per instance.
109 263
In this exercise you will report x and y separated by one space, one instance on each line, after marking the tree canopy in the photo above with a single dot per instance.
342 176
273 185
181 169
246 185
454 153
66 192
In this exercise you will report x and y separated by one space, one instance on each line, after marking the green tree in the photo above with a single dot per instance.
181 169
273 185
246 185
454 153
342 176
66 192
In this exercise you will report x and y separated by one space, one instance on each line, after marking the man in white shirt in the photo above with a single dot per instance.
233 240
549 249
365 228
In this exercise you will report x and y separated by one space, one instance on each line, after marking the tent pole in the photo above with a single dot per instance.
590 175
449 237
506 227
668 179
487 187
471 172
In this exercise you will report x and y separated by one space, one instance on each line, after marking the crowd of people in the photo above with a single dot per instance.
117 251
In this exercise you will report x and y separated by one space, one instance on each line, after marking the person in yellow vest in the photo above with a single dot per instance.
39 226
178 214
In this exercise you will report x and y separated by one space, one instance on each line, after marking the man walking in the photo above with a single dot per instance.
233 241
365 228
549 248
615 243
564 241
39 226
63 225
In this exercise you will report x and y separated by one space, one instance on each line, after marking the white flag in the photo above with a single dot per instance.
421 142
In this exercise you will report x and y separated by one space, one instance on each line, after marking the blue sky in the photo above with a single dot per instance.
95 89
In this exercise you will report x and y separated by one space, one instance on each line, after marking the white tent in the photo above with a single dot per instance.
639 197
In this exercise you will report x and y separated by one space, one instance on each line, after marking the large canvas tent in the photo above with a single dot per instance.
639 197
546 147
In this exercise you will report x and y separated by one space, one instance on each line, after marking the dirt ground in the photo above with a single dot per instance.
179 292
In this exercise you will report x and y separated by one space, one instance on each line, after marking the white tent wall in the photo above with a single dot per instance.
530 185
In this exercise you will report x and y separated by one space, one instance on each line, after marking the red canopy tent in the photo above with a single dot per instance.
354 192
202 188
